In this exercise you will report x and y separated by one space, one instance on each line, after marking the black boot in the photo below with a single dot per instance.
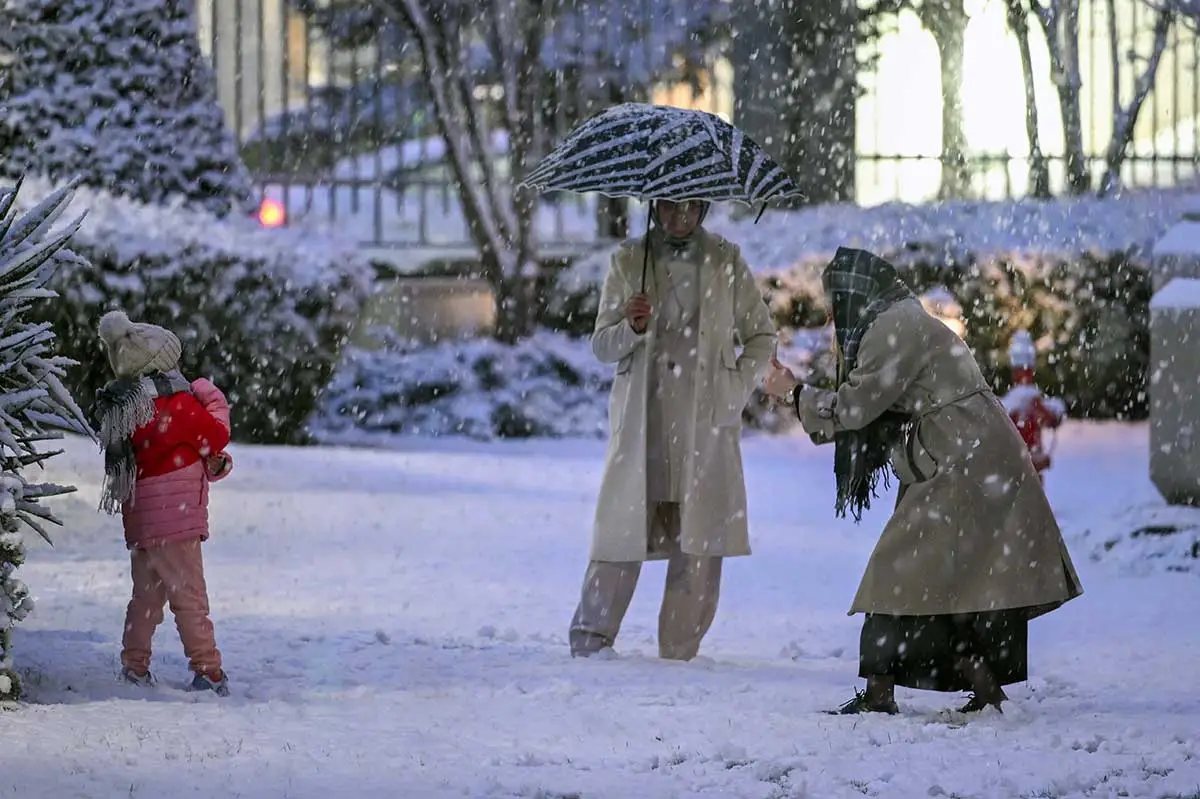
976 703
864 703
987 689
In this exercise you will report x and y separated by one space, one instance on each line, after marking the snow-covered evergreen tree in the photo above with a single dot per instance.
117 93
33 400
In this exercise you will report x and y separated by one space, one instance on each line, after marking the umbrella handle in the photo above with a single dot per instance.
645 262
646 252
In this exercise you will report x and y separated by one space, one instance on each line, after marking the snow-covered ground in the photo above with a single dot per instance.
394 624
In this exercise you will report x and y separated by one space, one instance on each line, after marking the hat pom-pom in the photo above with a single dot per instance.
114 325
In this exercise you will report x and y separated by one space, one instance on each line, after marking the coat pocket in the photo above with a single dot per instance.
729 390
912 460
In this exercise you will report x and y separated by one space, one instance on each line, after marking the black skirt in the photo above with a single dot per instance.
922 651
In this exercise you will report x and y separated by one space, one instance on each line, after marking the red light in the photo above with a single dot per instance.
271 213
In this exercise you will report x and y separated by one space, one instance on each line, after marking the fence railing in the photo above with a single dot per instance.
335 134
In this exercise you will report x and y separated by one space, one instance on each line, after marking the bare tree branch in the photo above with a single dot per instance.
522 141
1039 171
1114 54
499 213
1060 24
503 35
452 119
1127 117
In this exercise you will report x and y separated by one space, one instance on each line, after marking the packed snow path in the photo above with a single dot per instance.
394 625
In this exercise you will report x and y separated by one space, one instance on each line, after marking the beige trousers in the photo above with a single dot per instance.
169 574
689 602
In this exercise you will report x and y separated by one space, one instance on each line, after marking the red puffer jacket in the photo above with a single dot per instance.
170 500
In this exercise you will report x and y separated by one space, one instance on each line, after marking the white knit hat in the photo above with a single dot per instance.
138 349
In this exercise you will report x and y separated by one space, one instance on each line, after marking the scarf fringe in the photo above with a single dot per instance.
121 408
120 485
857 495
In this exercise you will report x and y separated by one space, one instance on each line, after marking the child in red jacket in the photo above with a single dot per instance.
164 440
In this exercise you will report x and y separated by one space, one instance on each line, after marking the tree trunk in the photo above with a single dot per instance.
1069 82
795 69
946 21
499 214
1039 170
1060 24
516 301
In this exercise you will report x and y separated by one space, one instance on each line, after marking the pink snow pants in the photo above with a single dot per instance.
171 573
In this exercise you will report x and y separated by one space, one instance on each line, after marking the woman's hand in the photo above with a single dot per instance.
638 312
779 381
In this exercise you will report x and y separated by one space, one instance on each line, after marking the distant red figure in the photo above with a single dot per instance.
1031 412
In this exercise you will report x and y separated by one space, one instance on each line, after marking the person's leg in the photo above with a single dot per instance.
605 597
992 650
690 599
878 644
181 566
985 688
143 614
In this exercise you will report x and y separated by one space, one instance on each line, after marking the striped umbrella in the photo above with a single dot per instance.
653 152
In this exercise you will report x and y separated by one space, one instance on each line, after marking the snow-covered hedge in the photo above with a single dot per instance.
33 400
1089 314
262 312
118 94
1076 272
548 386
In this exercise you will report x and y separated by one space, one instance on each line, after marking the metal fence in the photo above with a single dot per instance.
899 153
334 123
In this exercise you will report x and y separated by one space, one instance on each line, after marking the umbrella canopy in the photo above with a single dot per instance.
653 152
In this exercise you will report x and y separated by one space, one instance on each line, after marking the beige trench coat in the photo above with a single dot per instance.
972 530
732 311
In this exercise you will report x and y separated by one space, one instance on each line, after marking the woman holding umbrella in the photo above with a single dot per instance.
674 308
673 486
972 550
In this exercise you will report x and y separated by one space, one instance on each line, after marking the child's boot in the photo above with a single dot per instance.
141 680
219 686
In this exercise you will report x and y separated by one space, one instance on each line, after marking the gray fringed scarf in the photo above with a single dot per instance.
861 286
121 407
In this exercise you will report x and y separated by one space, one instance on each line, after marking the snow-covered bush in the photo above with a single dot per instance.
549 385
1076 272
1089 313
261 312
118 94
33 399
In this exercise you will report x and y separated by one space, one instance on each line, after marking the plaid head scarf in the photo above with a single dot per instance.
860 286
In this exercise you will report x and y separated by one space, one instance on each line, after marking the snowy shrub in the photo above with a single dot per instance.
547 386
1076 272
263 313
550 385
1089 314
33 399
119 94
